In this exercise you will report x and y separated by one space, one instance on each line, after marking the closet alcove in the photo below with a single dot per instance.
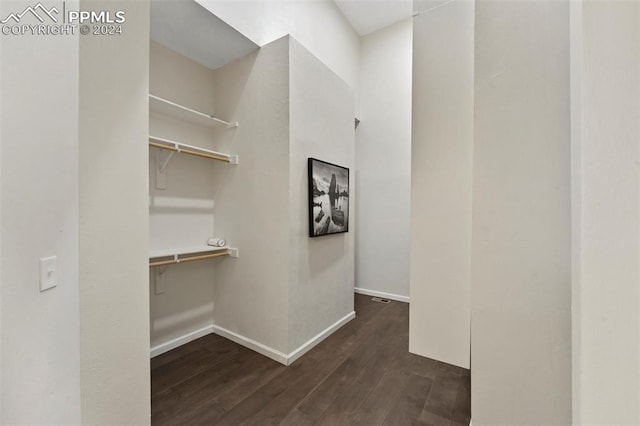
190 153
231 126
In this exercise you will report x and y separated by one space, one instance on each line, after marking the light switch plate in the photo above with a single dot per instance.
48 273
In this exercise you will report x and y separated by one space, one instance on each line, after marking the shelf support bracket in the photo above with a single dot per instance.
160 280
166 161
162 161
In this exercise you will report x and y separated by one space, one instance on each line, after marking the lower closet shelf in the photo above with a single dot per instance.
188 254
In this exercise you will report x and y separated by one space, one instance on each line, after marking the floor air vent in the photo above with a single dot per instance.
380 300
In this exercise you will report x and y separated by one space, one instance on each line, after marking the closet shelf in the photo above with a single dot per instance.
184 113
183 148
188 254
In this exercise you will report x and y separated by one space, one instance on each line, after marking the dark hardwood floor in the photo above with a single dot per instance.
360 375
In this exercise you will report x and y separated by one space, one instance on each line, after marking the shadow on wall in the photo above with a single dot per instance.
229 96
227 99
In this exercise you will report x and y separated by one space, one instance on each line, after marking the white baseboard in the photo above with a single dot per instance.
251 344
182 340
319 338
265 350
382 294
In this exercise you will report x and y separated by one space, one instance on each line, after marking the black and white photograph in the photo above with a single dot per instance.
328 198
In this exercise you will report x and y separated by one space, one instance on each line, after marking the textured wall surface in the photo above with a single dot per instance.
114 220
441 173
521 243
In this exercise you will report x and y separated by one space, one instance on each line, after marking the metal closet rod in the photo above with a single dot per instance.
186 259
190 152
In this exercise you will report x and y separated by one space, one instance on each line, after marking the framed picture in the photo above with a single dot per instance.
328 198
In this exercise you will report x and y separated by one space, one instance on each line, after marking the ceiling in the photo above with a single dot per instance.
190 29
367 16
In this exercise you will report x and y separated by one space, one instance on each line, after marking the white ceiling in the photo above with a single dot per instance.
190 29
367 16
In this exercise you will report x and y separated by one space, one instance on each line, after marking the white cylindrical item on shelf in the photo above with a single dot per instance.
217 242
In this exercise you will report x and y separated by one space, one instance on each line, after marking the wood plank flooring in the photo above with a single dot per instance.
361 375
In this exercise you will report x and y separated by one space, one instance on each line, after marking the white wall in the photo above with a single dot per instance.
182 215
1 371
441 182
521 258
575 58
252 204
321 269
317 24
383 162
39 218
607 354
285 288
114 220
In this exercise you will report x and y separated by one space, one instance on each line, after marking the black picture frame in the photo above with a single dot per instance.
328 211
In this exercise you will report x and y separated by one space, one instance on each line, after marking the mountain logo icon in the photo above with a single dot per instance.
39 11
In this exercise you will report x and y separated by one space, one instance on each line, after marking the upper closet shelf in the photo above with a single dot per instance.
181 112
